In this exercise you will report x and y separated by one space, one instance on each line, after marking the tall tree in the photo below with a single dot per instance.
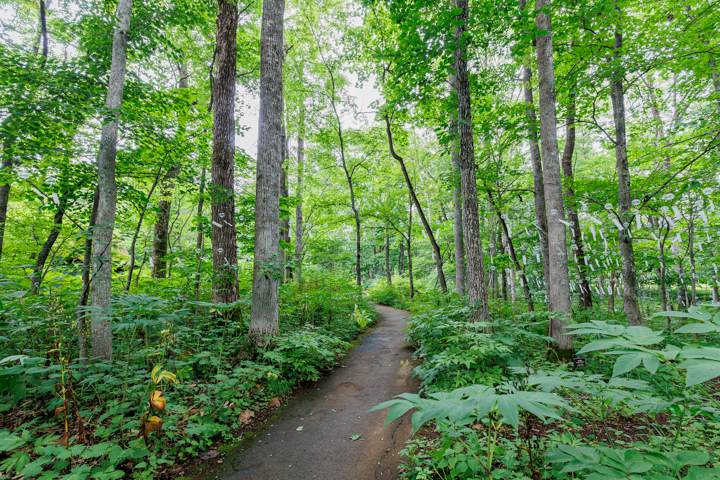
284 194
536 162
476 288
107 190
162 224
567 166
437 255
457 212
299 195
617 95
558 281
222 187
44 253
266 269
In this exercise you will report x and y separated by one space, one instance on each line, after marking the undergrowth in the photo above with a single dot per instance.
184 376
635 402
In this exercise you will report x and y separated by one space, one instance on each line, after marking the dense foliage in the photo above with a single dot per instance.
635 403
201 200
96 420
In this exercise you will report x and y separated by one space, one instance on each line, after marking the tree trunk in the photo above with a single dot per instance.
535 160
437 256
409 249
200 238
567 161
266 271
503 271
81 312
162 224
285 220
6 169
630 285
299 196
458 226
475 274
558 281
493 283
401 257
222 186
662 268
43 29
107 188
388 271
691 255
136 234
519 267
42 256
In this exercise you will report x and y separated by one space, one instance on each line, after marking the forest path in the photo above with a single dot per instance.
332 413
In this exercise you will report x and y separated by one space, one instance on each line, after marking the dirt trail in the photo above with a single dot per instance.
334 412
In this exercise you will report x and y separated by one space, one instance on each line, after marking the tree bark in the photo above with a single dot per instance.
475 274
458 226
630 285
81 312
536 162
5 169
107 188
409 249
266 271
43 29
44 253
558 281
200 238
388 271
401 257
299 195
567 160
691 255
437 256
662 268
284 221
222 186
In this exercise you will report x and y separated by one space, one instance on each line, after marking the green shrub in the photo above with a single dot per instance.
220 375
392 295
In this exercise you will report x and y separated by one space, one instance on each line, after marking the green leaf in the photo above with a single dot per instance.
698 328
508 410
9 441
700 371
626 363
651 363
33 468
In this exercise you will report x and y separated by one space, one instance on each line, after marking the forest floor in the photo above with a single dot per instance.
326 432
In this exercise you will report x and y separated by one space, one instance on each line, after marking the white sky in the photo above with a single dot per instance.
248 112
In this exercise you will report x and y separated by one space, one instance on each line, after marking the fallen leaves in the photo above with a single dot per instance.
246 417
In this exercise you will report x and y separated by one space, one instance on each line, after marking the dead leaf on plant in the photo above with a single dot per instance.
157 401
